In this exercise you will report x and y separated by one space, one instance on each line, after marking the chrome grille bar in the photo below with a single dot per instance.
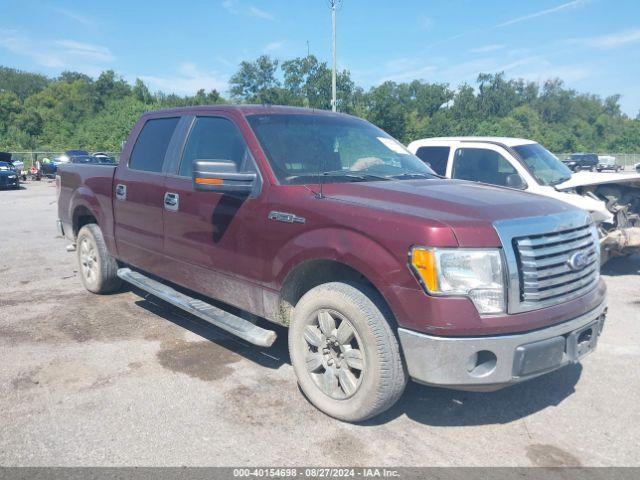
541 254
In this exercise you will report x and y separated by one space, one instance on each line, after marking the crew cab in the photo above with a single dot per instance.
612 200
323 223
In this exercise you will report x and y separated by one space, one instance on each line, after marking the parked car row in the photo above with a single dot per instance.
48 168
592 162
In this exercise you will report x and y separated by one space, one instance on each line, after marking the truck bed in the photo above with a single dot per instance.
86 189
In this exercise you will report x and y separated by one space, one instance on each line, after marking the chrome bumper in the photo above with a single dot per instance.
490 363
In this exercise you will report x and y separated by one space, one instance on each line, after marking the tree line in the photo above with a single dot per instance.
77 111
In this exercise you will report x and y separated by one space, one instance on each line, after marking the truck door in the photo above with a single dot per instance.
138 197
212 240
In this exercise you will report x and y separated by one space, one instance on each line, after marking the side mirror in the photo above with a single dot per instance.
514 180
221 176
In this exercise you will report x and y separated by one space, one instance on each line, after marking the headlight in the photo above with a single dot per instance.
474 273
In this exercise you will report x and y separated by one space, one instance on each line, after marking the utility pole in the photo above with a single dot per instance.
333 4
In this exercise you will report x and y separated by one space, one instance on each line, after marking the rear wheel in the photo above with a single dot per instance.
98 269
344 352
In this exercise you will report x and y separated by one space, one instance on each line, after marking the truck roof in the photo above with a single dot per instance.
244 109
508 141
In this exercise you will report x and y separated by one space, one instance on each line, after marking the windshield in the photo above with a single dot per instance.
302 147
542 164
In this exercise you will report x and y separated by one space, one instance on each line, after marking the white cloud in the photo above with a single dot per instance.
273 46
188 80
58 54
84 20
487 48
231 6
408 72
612 40
256 12
548 11
235 8
90 51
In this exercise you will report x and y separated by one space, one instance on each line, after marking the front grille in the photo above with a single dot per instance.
543 266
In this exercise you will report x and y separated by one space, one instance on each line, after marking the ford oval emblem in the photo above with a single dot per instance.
577 261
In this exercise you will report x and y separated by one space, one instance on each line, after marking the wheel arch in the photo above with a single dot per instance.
313 272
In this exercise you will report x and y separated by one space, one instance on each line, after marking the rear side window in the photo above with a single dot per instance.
215 138
151 145
480 165
435 157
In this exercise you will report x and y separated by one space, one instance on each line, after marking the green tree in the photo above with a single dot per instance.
256 82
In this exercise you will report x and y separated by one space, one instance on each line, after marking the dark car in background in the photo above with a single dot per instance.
9 177
581 161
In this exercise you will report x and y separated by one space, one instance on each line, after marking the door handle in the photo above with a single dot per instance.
171 201
121 191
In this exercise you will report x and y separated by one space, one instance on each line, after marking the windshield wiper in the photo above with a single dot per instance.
359 177
410 175
560 180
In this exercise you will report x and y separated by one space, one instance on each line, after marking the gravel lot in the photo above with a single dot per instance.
127 380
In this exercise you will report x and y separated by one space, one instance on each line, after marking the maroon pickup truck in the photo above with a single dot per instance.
324 223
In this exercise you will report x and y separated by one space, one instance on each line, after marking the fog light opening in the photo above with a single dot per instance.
482 363
585 337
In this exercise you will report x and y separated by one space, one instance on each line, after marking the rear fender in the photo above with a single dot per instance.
84 198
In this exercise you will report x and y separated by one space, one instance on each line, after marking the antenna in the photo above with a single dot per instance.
333 5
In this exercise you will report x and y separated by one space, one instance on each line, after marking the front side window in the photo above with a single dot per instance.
215 138
302 148
151 145
481 165
435 157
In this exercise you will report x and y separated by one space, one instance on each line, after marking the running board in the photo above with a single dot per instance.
214 315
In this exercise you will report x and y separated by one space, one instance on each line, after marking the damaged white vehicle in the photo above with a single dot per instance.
612 199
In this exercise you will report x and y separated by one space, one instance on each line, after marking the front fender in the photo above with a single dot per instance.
350 247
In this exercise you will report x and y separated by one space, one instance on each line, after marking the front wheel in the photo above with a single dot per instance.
98 269
344 352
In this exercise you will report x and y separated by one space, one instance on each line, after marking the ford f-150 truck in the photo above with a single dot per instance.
323 223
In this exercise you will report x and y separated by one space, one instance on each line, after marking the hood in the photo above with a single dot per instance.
468 208
583 179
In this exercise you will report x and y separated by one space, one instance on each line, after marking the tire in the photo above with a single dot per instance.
370 382
98 269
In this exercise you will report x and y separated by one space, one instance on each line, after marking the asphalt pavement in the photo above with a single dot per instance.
125 379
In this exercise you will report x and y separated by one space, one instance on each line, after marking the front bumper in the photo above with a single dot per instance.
490 363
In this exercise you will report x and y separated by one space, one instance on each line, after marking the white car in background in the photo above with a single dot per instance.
612 199
608 163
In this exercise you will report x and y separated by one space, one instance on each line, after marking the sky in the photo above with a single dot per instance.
593 45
